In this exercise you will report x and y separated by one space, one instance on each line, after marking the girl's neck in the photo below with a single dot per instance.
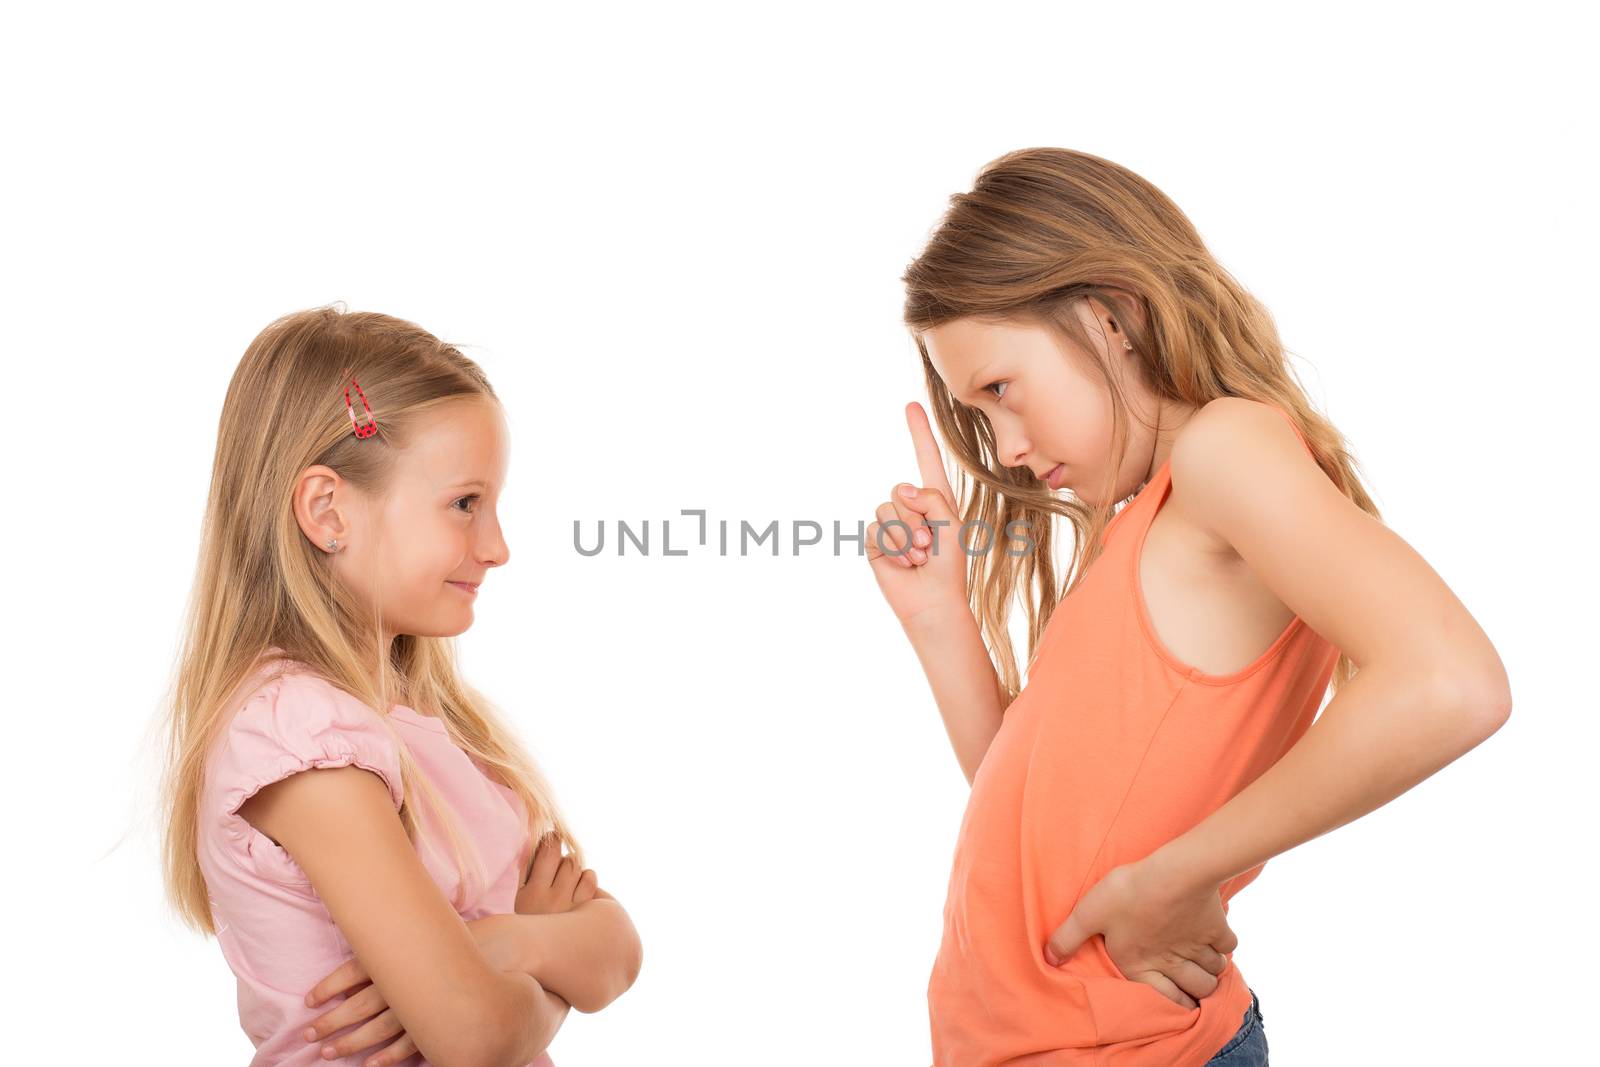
1169 417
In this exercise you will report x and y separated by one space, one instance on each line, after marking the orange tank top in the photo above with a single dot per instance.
1113 747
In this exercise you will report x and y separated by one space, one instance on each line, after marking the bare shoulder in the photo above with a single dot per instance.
1247 479
1232 442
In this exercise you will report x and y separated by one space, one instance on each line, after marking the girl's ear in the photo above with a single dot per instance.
314 509
1129 310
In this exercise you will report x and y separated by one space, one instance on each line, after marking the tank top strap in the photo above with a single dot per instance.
1156 488
1296 429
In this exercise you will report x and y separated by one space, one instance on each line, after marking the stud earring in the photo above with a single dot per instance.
333 544
1126 343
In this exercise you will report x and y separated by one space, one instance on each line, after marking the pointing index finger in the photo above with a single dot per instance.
930 461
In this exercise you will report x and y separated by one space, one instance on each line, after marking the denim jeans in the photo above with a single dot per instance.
1248 1046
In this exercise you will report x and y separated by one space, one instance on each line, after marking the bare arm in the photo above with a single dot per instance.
526 1026
1430 685
589 955
1386 731
457 1008
920 567
965 684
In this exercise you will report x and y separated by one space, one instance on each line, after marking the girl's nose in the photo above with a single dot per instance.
1010 443
1011 449
495 552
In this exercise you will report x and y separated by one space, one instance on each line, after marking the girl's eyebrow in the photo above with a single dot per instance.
475 484
976 378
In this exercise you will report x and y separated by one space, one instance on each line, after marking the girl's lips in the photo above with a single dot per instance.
1052 477
464 587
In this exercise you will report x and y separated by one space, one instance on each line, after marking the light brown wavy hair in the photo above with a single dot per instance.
1042 230
260 583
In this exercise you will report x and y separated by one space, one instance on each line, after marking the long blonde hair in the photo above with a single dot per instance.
261 585
1042 230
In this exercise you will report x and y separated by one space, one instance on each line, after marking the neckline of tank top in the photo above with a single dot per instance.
1105 545
1160 471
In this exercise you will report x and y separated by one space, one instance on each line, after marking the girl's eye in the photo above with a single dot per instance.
473 496
998 385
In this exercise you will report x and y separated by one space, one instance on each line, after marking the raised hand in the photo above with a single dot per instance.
920 567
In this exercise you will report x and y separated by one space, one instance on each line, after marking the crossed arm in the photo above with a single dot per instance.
496 990
589 956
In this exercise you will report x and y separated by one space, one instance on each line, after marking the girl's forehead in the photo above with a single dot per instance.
459 445
964 344
953 346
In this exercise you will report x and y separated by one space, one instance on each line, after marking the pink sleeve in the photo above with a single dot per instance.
295 723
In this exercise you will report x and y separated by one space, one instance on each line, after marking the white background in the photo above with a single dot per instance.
673 236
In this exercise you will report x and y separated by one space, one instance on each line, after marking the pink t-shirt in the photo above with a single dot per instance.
273 929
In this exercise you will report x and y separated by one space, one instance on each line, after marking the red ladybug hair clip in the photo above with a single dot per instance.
371 426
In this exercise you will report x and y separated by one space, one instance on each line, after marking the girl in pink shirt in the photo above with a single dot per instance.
379 858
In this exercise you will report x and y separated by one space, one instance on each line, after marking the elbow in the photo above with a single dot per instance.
622 972
1495 707
1490 696
633 960
1481 692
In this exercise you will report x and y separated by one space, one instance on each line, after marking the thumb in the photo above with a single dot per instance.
929 503
1065 941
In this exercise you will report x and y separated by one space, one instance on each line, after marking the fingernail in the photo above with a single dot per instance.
907 491
311 1034
327 1052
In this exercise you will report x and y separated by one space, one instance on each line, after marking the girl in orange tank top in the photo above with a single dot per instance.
1073 330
